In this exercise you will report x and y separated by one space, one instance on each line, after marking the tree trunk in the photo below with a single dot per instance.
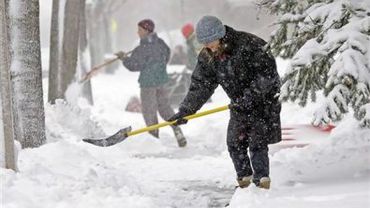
100 34
107 41
6 101
69 52
28 108
84 54
54 53
93 22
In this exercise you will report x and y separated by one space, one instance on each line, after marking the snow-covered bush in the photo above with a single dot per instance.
329 44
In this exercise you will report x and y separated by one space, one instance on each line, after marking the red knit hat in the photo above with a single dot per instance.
187 30
147 24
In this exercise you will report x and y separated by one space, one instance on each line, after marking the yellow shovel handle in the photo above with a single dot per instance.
167 123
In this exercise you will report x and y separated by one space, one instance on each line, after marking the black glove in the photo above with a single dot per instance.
121 55
179 118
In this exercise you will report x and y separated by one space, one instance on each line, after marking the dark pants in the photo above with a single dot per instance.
240 138
153 100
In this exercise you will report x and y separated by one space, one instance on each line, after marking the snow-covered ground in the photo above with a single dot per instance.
334 171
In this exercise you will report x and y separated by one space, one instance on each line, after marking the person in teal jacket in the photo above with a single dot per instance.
192 44
150 58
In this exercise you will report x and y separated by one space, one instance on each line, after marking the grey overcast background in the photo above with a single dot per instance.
172 14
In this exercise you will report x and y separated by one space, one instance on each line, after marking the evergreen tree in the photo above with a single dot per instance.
328 42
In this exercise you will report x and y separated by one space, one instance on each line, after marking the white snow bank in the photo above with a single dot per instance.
63 120
67 172
146 172
70 175
344 155
335 173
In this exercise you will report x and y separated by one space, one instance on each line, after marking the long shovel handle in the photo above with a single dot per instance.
167 123
104 64
97 68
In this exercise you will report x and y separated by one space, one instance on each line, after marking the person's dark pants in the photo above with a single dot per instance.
240 137
153 100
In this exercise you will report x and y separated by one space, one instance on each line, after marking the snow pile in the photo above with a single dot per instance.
341 165
344 155
64 174
74 92
143 171
64 120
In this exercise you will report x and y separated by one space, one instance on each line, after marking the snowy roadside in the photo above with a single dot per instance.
335 173
145 172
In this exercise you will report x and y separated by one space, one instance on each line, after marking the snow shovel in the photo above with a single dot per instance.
126 132
98 68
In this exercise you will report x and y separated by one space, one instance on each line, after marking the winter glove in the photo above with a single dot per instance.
179 118
121 55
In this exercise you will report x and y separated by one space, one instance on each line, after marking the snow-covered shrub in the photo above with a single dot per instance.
329 44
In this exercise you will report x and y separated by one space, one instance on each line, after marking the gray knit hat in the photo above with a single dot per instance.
209 28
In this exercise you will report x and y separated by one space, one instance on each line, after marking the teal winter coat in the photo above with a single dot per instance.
150 59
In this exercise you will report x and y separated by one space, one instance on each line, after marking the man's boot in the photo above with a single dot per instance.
245 181
181 140
264 183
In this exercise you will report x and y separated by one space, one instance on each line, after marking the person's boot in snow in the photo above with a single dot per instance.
245 181
264 183
181 140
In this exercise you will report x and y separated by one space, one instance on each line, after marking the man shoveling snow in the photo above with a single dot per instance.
239 63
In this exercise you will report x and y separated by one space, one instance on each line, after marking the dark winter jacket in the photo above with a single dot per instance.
249 77
150 58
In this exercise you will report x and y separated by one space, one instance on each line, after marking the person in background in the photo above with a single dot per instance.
193 46
239 62
150 58
179 56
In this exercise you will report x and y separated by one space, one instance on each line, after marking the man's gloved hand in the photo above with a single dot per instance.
121 55
179 118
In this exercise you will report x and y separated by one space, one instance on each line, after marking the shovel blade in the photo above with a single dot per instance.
111 140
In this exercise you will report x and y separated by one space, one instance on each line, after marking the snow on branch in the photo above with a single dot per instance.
334 106
329 44
364 114
308 54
